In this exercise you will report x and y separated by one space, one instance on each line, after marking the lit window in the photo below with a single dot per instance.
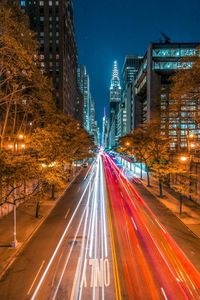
50 3
41 3
23 3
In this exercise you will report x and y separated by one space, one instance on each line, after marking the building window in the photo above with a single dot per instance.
50 3
41 3
176 52
23 3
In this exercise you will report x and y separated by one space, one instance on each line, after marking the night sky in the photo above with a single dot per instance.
110 29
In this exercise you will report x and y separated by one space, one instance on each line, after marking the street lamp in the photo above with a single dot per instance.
183 158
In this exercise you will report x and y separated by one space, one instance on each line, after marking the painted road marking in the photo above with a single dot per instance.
98 273
164 294
67 214
36 277
134 223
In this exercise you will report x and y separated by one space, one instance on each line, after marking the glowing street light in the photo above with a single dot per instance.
10 146
21 136
183 158
127 144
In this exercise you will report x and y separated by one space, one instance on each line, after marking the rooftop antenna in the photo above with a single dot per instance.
167 39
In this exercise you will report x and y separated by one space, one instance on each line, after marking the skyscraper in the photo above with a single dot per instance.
115 99
152 92
53 22
129 72
84 86
105 131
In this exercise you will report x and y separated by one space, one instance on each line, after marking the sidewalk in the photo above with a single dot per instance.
190 215
27 225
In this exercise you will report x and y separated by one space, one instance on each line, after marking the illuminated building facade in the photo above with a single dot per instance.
115 100
53 22
129 73
84 86
152 91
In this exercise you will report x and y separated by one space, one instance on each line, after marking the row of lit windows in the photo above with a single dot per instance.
50 41
172 65
50 3
173 52
50 33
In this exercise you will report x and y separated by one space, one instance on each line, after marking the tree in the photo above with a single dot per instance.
59 142
185 94
24 91
137 144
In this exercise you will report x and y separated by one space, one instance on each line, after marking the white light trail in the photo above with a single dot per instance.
59 244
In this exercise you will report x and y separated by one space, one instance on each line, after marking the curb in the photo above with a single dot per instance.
13 257
148 189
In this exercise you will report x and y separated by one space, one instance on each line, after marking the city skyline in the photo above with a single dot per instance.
99 45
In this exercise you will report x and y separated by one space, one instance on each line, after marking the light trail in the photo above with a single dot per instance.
60 242
168 250
68 257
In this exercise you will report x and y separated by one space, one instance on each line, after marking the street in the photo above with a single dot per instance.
102 241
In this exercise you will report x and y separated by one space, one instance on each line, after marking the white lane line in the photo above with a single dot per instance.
40 268
57 266
68 257
75 280
134 223
61 239
67 214
163 291
92 166
87 243
81 265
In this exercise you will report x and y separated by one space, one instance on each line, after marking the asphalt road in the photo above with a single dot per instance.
106 239
70 255
152 263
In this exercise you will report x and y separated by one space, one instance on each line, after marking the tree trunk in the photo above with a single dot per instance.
160 188
140 170
53 191
148 177
1 192
5 124
24 186
181 204
37 209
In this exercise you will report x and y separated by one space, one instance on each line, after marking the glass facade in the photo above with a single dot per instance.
176 52
171 65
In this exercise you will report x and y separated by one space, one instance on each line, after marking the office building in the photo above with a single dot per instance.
129 73
84 86
53 22
152 91
105 131
115 100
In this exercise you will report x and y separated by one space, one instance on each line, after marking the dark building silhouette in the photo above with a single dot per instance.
53 22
